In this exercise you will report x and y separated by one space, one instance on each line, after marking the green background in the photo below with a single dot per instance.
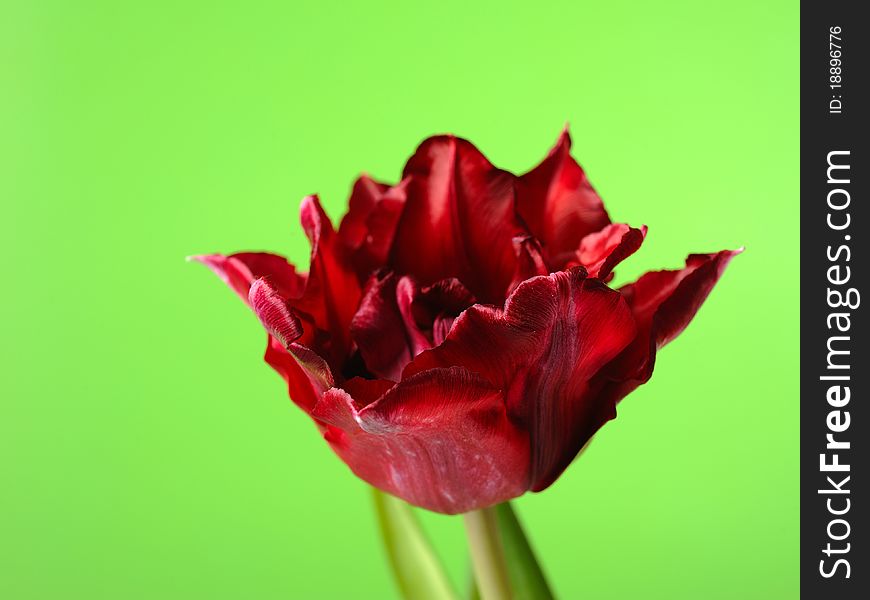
146 451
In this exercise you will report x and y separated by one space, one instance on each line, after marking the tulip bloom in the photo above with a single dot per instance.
455 341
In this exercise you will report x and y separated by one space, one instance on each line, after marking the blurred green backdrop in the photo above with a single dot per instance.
147 452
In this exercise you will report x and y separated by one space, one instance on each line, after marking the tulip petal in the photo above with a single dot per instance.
326 298
446 295
407 293
553 336
559 205
663 304
363 197
440 304
397 320
530 261
306 373
601 251
332 292
459 219
384 328
274 313
441 439
368 228
314 321
365 391
258 279
239 270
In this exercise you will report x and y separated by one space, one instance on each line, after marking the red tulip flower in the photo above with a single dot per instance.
456 341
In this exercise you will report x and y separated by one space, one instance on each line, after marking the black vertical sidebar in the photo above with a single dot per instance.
835 364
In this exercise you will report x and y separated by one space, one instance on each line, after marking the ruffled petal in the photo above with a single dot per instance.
239 270
326 299
332 293
663 304
368 228
601 251
441 439
258 279
397 320
459 219
365 391
437 306
553 336
384 328
444 296
308 318
530 261
306 373
363 197
407 294
559 205
274 312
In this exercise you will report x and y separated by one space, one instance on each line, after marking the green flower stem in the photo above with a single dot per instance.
417 570
487 554
527 577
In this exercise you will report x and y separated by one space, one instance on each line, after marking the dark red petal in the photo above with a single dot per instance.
276 270
368 228
274 313
437 305
366 391
382 223
553 336
447 295
441 327
378 329
332 293
558 204
459 219
307 374
239 270
601 251
663 304
441 439
675 312
407 293
327 299
383 327
363 197
530 262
